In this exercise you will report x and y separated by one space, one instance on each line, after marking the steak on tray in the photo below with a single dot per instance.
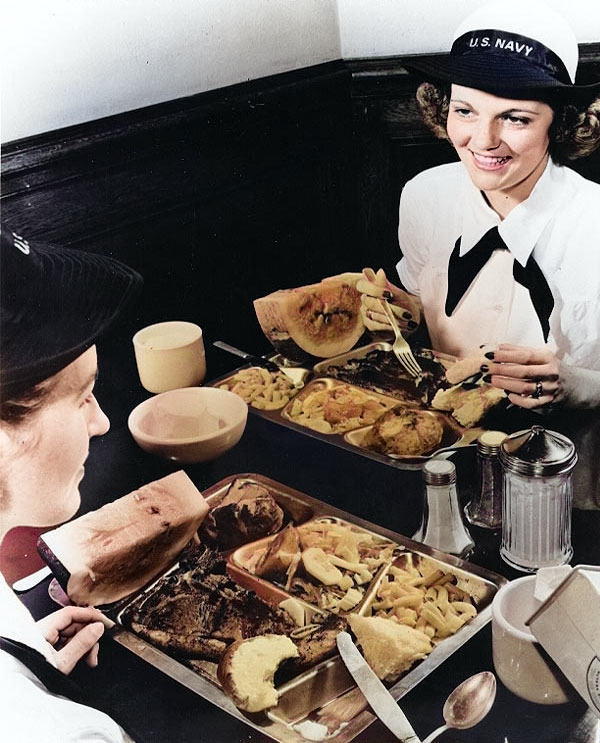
198 610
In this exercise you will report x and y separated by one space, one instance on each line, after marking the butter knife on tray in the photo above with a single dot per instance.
248 357
381 701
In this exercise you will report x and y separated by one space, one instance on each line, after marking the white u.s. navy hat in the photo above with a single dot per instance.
509 47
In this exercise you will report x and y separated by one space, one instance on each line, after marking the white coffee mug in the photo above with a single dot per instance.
170 355
521 663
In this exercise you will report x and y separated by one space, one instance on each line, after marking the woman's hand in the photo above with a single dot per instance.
530 376
406 308
74 632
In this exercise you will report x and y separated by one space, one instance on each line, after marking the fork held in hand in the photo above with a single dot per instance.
400 346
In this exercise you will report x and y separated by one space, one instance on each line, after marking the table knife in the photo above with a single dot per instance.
381 701
250 358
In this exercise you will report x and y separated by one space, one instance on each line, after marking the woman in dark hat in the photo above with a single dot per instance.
501 248
55 304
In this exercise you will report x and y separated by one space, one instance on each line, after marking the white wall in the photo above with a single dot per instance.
381 28
69 61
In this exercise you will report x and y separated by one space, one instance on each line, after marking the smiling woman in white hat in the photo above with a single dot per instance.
54 305
501 247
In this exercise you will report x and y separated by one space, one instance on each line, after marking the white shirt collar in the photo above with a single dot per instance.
524 225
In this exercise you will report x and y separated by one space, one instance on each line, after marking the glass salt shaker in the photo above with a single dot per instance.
537 499
485 508
442 526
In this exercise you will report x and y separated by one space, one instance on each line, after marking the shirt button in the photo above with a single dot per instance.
498 308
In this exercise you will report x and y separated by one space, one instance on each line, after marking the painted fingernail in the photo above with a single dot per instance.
412 324
487 379
406 316
489 355
388 294
484 368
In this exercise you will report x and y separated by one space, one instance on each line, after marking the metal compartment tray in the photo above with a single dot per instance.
311 697
353 439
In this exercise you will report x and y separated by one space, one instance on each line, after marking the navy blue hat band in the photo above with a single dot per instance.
514 47
54 304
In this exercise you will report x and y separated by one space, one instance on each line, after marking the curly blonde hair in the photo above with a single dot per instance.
574 132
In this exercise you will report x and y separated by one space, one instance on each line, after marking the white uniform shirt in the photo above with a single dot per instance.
29 713
559 224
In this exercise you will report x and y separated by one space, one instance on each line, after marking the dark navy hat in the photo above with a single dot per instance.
55 303
510 48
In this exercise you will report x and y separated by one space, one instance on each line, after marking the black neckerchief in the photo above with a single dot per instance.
463 270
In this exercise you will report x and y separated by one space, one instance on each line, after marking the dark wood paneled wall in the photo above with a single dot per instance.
216 199
228 195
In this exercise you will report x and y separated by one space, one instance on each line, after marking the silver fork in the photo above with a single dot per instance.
400 346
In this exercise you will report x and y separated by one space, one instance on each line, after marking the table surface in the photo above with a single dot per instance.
153 708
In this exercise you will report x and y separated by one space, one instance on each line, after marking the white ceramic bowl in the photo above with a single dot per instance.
188 425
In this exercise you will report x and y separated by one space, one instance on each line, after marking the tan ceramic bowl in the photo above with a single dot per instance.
188 425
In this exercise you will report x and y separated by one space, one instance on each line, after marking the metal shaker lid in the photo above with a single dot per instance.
536 452
439 472
489 442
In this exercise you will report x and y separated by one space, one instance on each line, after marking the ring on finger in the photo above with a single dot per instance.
539 390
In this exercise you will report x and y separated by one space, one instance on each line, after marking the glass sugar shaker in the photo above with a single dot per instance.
442 526
538 496
485 508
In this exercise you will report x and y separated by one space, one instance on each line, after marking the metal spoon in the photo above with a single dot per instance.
468 704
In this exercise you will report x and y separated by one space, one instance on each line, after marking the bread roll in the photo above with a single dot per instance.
247 670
